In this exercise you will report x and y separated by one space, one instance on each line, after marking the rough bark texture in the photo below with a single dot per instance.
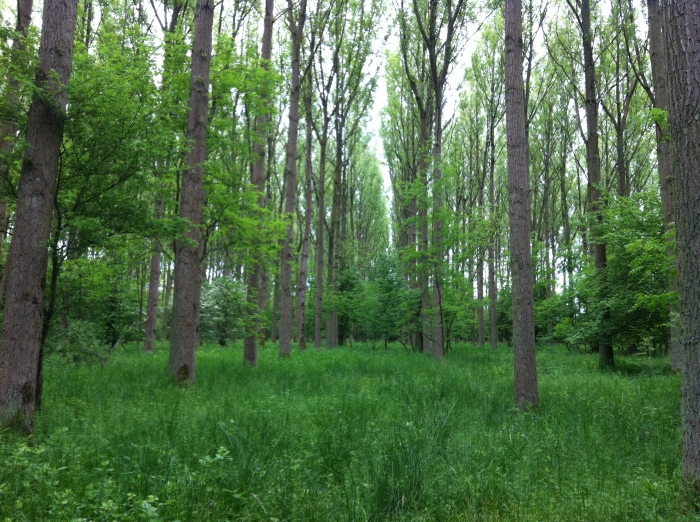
682 27
187 277
27 258
663 155
290 174
526 388
254 270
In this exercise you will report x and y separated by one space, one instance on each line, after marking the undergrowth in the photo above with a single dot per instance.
348 434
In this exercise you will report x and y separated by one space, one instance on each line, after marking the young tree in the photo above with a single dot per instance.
27 258
432 26
682 28
254 270
187 276
290 175
526 388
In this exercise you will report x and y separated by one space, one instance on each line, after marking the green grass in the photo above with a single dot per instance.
349 434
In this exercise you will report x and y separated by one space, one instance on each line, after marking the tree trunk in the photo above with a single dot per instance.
682 28
308 214
663 154
166 300
27 258
605 349
318 314
526 388
290 173
187 275
254 269
153 289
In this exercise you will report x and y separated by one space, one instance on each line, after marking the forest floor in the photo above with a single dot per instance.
349 434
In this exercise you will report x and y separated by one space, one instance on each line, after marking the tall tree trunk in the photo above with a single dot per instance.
333 236
290 173
493 297
318 314
682 28
274 330
424 247
605 349
254 269
188 279
27 258
526 387
663 154
308 214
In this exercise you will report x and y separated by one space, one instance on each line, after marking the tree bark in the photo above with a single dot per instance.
606 357
187 276
682 28
27 258
290 173
526 387
254 269
663 155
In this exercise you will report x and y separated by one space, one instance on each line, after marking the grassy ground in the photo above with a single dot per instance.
349 434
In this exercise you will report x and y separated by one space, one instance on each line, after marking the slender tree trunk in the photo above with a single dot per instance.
333 236
526 387
308 214
663 154
187 276
318 315
682 28
605 349
27 258
254 270
274 331
153 289
493 297
166 300
480 298
290 173
424 274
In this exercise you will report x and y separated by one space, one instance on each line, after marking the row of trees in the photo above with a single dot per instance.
171 182
171 168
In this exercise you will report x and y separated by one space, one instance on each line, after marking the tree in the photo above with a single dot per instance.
290 175
187 276
440 55
27 258
526 389
254 270
682 28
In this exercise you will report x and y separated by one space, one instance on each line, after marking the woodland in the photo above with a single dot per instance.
349 260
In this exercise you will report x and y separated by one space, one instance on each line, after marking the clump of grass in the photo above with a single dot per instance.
348 434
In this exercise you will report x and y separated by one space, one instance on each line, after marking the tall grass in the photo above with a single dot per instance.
349 434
